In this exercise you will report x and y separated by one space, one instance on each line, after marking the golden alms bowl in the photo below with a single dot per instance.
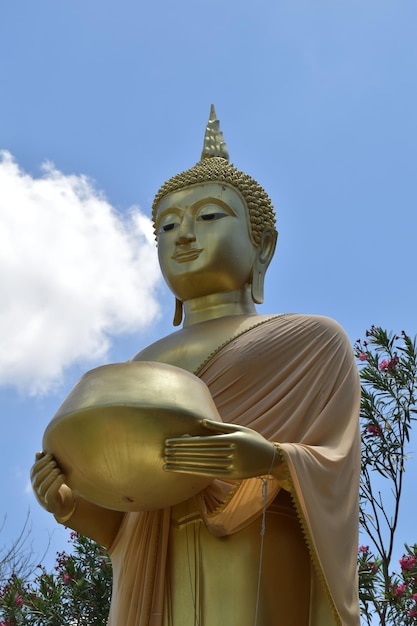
108 435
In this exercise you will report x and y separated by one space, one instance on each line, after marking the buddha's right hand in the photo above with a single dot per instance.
48 483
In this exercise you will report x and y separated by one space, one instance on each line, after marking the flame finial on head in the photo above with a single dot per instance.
214 144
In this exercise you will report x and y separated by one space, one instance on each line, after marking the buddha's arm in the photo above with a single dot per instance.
95 522
55 496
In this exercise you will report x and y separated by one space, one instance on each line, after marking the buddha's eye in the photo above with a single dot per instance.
210 213
167 227
167 223
211 216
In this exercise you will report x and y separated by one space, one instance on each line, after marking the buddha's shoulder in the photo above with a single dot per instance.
161 349
315 327
306 320
191 345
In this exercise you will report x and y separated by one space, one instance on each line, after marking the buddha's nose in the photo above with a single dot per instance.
185 237
185 231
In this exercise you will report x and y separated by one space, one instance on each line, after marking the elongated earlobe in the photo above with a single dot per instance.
178 312
263 259
257 286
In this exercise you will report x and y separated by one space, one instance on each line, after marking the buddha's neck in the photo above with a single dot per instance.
218 305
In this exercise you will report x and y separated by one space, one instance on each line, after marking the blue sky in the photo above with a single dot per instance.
100 102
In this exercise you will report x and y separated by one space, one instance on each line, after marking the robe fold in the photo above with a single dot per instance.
293 379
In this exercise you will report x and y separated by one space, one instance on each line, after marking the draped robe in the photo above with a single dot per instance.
293 379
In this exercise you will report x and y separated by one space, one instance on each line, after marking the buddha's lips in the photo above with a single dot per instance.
181 256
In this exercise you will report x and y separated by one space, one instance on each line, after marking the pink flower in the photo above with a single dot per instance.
412 613
407 563
374 430
393 363
66 577
415 597
399 591
389 365
363 548
363 356
18 600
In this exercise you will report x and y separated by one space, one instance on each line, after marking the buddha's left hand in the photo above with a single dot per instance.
231 451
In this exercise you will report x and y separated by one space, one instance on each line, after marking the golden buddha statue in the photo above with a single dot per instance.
272 539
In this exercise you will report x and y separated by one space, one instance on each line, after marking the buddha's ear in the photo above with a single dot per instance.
178 312
264 256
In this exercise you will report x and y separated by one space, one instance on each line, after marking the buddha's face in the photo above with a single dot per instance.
204 242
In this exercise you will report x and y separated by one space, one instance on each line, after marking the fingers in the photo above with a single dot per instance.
43 465
201 465
211 450
199 471
46 479
44 472
43 481
41 459
200 455
220 427
52 498
206 456
197 444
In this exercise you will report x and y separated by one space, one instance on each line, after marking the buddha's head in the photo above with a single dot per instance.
187 215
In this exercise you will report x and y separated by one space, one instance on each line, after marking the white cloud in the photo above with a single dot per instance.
73 273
